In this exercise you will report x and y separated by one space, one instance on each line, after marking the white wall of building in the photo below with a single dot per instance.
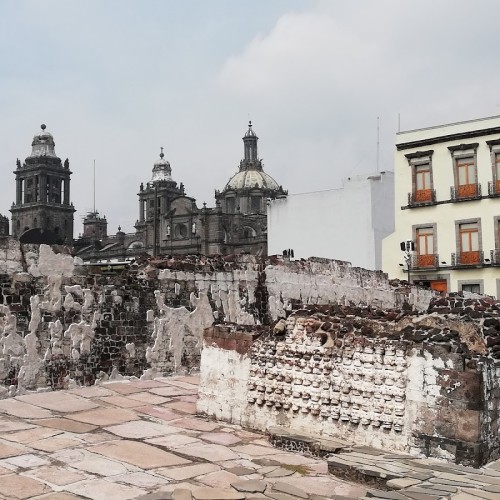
348 223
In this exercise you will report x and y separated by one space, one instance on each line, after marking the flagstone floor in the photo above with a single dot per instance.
142 439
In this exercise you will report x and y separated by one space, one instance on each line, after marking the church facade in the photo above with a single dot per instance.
171 223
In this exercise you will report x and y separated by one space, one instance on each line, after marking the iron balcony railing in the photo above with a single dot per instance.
465 192
429 261
495 257
422 197
494 188
473 258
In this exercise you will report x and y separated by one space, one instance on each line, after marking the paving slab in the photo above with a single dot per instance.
148 398
59 401
171 391
30 435
54 444
140 429
217 494
223 438
60 495
182 494
179 383
139 454
94 391
289 489
241 471
100 489
183 406
187 472
210 452
27 461
24 410
390 495
195 424
67 425
10 424
481 493
120 401
122 387
280 472
250 486
140 479
17 486
219 479
254 450
104 416
174 440
158 412
404 482
11 450
59 476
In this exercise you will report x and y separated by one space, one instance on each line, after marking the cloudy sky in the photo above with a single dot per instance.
116 79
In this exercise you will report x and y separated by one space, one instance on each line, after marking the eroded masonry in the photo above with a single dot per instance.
307 348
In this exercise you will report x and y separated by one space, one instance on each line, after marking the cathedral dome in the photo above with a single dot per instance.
162 170
43 144
248 179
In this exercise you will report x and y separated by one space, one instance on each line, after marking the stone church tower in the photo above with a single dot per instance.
43 212
243 202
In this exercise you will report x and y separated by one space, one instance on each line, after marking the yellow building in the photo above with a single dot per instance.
447 202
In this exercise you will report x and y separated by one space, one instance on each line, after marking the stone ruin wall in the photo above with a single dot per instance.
419 383
65 324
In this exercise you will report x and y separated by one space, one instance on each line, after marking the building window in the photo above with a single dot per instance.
469 247
472 288
255 202
230 205
425 247
465 171
466 177
496 170
423 185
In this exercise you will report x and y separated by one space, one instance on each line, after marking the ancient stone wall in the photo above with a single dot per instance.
64 323
420 383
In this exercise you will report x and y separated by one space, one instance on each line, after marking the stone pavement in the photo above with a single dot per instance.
141 439
407 477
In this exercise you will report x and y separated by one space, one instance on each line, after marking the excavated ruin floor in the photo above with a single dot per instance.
141 439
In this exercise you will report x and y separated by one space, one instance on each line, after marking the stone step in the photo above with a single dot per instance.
283 439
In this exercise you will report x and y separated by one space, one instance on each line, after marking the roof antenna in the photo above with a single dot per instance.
399 122
378 142
94 186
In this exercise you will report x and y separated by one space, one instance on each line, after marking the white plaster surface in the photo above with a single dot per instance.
346 223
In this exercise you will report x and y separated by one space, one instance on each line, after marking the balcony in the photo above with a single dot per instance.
422 197
466 192
495 257
467 259
493 188
429 261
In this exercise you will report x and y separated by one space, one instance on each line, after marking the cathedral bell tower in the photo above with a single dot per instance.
43 212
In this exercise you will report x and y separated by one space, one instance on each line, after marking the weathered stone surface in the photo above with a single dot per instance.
217 494
251 486
289 489
400 483
139 454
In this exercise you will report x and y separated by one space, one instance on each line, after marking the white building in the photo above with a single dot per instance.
447 201
345 224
